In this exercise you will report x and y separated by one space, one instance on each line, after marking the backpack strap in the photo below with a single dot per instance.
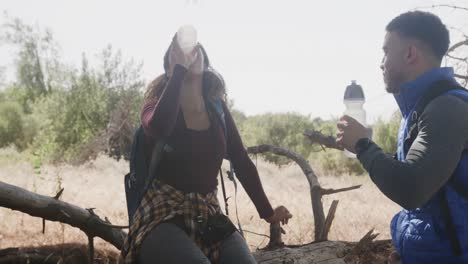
132 181
224 191
449 225
160 147
457 185
437 89
217 106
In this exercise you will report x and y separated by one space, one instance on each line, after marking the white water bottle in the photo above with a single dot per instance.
354 101
187 38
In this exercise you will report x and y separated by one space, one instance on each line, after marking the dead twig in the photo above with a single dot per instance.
362 246
56 197
332 191
317 137
329 220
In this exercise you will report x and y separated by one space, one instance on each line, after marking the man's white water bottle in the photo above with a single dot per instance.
187 38
354 100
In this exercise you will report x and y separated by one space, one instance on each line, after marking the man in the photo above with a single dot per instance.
429 175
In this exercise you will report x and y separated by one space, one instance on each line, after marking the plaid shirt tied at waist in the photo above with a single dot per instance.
162 202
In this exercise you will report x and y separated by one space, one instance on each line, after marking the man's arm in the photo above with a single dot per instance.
431 160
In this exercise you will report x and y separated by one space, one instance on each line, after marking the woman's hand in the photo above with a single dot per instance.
281 214
198 65
177 56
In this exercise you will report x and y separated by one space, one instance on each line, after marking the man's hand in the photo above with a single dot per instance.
281 214
349 132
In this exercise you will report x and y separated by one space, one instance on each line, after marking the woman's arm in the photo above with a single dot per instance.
244 168
159 115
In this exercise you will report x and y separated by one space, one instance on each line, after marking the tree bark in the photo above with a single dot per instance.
327 252
315 189
49 208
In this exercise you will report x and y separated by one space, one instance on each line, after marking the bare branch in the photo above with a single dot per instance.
315 189
59 193
317 137
275 237
362 246
464 77
91 249
329 221
43 225
457 58
451 6
303 163
52 209
332 191
444 5
457 45
56 197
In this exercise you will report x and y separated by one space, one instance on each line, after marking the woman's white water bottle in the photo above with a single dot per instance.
354 101
187 38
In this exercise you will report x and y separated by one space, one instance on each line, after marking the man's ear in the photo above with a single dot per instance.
412 54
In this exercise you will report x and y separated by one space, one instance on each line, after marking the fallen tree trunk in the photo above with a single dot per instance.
52 209
70 253
367 250
324 252
328 252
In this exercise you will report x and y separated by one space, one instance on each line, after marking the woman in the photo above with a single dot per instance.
170 225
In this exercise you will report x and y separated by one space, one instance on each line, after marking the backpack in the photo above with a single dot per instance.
139 179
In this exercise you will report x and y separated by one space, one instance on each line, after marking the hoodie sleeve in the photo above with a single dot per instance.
431 159
245 169
159 115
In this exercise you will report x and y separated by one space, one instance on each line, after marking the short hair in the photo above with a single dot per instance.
425 27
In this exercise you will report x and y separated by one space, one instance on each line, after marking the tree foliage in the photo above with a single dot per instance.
61 112
57 110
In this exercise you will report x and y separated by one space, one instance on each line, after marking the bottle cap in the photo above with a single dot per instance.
354 92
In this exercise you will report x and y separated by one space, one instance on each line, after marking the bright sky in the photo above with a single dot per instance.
276 56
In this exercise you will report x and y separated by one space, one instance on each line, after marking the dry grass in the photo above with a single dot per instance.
99 184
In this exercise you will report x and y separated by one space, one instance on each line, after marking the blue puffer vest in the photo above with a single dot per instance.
420 235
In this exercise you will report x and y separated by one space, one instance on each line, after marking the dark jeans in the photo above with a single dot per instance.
169 244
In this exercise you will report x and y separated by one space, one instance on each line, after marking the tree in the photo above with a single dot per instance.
282 129
70 112
38 69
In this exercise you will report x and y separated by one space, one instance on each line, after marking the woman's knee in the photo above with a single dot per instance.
234 249
167 243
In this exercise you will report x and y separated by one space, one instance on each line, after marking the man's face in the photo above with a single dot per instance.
394 64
